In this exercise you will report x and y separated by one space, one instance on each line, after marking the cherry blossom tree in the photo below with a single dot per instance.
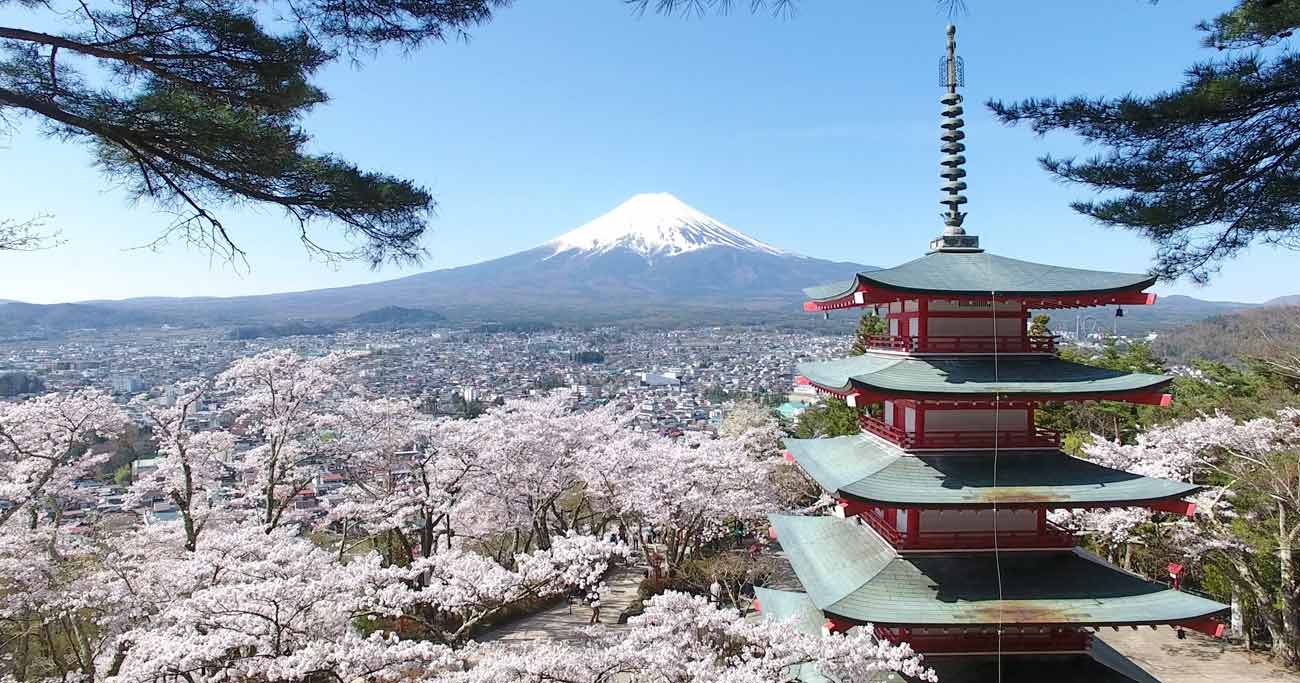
44 449
686 488
282 401
402 473
754 428
190 464
531 454
270 606
1251 504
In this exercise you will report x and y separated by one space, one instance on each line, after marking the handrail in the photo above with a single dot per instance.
886 431
1034 343
1052 537
1035 437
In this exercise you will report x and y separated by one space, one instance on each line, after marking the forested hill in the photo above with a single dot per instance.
1231 337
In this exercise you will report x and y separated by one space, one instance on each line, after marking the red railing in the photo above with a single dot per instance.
1052 537
884 528
976 640
1036 437
885 431
1018 344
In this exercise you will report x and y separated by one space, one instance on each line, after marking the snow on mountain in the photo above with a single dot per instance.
656 224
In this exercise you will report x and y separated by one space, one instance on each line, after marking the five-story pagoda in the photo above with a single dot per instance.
941 536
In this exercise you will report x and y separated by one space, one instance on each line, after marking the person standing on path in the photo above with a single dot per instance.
715 591
593 600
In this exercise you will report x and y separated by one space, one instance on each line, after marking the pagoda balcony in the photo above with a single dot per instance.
1035 437
1051 537
1013 639
1008 344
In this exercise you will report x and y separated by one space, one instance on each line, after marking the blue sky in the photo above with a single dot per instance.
817 133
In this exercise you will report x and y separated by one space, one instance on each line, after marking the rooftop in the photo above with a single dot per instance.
867 469
1102 664
939 376
982 273
851 572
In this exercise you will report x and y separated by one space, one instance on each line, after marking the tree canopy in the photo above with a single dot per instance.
1207 168
195 106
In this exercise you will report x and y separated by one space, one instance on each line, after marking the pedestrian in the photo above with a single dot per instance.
593 600
572 597
715 591
656 561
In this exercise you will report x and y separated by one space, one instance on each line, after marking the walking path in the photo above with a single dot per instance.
1196 659
566 622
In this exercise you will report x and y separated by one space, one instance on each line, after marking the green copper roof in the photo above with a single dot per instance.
1102 665
851 572
1009 375
777 605
982 273
867 469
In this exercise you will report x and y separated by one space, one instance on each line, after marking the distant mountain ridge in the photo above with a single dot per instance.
651 260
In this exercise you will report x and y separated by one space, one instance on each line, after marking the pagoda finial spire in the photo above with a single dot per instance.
954 237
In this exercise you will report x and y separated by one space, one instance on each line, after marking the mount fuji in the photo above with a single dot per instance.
656 225
652 258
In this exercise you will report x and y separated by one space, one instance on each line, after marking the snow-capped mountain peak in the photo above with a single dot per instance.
656 224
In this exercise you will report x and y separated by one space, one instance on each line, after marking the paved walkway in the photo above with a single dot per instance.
562 622
1196 659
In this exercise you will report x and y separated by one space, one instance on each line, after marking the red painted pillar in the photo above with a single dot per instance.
920 424
923 322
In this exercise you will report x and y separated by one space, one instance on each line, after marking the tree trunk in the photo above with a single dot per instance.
1289 649
1238 628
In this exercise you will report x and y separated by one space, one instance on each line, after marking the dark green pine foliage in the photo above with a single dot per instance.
196 105
1038 325
1207 168
868 326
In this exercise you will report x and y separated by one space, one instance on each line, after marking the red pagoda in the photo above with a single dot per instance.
941 536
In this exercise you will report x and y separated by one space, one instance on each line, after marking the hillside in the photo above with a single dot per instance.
34 320
398 315
1232 337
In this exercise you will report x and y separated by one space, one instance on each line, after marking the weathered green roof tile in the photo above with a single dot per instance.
776 605
805 617
867 469
851 572
1011 375
833 560
981 273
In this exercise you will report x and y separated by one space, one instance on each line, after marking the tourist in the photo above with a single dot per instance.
593 600
715 591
